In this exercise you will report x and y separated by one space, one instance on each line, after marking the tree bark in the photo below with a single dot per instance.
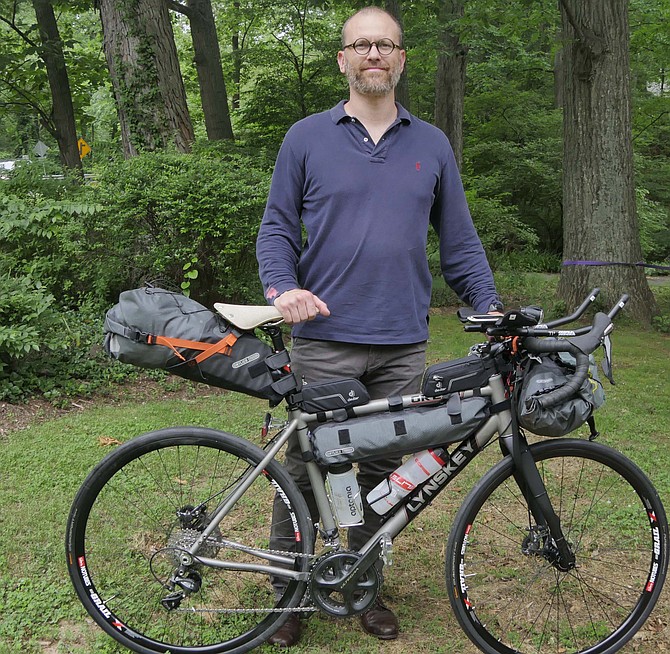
599 221
142 59
402 90
63 128
450 78
207 57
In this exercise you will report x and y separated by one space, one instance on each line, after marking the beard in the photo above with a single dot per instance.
377 84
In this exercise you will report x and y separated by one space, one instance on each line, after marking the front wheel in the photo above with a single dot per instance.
140 511
504 584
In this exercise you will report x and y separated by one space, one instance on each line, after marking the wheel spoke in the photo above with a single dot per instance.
508 601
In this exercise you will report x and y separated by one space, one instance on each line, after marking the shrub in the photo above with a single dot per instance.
181 218
41 239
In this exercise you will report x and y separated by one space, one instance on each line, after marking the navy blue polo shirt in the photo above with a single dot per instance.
365 209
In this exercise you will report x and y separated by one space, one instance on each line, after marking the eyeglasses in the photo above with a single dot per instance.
362 46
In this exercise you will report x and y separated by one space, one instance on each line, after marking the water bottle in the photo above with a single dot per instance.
345 495
417 469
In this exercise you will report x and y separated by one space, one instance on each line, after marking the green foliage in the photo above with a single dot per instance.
47 351
289 67
654 220
40 236
180 218
28 319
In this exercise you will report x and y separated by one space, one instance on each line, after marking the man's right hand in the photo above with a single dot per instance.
299 305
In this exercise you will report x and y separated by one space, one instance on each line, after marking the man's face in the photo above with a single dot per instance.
372 74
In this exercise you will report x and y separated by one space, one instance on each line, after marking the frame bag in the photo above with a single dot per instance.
154 328
546 375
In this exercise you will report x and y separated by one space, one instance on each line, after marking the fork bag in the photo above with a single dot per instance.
154 328
398 432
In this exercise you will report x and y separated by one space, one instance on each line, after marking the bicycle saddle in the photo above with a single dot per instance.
248 316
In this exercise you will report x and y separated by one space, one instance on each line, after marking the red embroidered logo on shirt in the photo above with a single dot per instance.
271 293
418 165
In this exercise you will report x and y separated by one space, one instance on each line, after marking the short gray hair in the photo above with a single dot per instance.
373 10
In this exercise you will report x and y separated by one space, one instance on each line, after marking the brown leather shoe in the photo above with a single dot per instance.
288 634
380 621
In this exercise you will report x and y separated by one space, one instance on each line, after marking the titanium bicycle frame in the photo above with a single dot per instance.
502 422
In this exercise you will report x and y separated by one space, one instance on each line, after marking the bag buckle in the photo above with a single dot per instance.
138 336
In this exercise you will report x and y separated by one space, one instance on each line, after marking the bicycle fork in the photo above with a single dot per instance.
546 537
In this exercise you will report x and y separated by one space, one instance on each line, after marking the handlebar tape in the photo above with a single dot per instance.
580 347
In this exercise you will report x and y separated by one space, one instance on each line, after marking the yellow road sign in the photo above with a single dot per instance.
84 148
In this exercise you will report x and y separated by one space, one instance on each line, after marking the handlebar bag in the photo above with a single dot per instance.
398 432
546 375
154 328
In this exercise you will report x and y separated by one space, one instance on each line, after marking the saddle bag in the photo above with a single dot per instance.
398 432
546 375
154 328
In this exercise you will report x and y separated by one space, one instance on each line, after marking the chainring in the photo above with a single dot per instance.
333 568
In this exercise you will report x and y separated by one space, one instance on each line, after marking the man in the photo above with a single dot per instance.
364 180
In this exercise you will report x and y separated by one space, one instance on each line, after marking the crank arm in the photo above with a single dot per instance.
363 564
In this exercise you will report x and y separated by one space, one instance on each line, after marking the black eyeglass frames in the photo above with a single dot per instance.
362 46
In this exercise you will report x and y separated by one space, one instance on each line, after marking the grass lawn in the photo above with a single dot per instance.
42 465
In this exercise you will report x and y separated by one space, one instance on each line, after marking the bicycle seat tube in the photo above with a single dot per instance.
315 476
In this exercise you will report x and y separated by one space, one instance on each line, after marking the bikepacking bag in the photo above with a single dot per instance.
456 375
154 328
549 373
398 432
331 395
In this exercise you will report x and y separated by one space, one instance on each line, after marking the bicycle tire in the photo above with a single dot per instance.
123 537
507 601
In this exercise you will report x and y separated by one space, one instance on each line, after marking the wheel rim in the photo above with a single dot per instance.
523 603
134 538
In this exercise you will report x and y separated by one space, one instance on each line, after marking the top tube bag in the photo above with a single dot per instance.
154 328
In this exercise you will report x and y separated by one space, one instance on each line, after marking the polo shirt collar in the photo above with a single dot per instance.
338 114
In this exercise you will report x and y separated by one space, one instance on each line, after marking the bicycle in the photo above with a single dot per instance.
167 537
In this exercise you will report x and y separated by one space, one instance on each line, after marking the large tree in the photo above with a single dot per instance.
58 118
148 87
600 222
450 77
207 56
63 123
402 90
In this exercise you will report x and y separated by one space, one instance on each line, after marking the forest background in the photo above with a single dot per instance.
140 135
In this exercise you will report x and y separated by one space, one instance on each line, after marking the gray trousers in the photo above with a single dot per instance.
385 370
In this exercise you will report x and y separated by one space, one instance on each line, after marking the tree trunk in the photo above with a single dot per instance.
450 78
599 220
402 90
63 128
207 56
237 63
142 60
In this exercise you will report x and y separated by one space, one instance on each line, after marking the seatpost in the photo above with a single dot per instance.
274 332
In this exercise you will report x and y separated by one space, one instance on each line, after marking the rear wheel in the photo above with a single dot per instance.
505 587
145 505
